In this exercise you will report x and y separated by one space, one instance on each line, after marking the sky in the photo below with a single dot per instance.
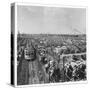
51 20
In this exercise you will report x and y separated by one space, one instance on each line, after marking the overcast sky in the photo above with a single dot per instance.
52 20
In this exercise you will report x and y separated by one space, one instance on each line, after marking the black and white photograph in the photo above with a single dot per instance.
51 44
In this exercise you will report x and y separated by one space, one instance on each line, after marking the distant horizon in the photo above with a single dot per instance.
49 34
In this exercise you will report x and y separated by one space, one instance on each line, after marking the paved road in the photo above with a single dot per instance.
37 74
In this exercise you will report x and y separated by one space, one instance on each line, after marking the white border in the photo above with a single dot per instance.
15 45
47 5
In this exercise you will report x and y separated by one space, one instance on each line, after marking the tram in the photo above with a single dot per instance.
29 53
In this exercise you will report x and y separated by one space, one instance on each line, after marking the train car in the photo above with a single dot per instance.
29 53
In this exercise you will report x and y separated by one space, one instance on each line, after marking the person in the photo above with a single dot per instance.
23 71
69 73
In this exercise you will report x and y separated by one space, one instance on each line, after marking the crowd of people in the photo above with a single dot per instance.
74 69
57 66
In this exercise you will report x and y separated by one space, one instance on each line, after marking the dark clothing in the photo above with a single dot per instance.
23 73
